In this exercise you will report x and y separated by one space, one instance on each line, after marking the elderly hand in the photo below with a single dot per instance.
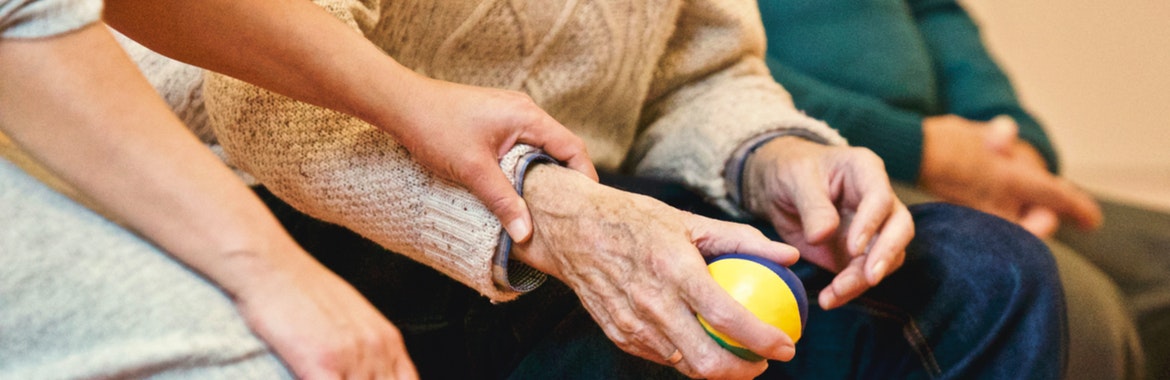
319 325
987 167
637 266
835 204
463 131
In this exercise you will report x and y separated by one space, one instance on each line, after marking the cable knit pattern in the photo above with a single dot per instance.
663 88
342 170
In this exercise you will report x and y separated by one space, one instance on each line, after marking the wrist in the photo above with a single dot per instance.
390 100
760 167
944 153
555 197
516 275
244 269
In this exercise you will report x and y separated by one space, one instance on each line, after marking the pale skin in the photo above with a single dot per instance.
135 160
295 48
986 166
173 191
637 264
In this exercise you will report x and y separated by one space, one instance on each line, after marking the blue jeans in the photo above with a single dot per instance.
976 298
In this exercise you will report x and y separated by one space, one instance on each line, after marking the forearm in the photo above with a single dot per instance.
974 85
292 47
342 170
130 155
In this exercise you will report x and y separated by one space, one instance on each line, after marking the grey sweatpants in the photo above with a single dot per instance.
81 297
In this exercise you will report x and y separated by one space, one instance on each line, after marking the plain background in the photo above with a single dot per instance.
1097 74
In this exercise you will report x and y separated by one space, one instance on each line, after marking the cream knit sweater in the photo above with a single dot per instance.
666 89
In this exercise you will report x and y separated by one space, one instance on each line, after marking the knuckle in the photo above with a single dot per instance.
705 367
867 156
718 317
499 204
627 325
330 358
373 338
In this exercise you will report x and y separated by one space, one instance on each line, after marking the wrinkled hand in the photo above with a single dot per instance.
320 326
836 206
987 167
637 266
460 132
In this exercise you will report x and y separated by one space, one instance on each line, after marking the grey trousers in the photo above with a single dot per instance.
1133 249
1103 340
81 297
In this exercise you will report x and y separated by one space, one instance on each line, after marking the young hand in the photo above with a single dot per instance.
460 132
319 325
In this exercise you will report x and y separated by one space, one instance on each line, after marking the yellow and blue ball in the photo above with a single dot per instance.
769 290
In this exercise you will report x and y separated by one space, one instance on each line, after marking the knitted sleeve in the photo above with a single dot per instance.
44 18
712 94
973 85
343 170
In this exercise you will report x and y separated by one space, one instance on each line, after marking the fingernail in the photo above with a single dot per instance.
861 245
518 229
787 353
825 299
878 271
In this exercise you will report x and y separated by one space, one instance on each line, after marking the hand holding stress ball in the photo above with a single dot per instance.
769 290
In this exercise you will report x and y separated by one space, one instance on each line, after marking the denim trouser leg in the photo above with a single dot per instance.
976 298
1103 342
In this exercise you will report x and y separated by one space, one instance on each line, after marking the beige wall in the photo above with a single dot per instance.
1098 74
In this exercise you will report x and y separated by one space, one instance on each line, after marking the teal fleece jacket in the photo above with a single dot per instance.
874 69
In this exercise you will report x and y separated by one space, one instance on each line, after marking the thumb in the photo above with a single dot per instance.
1002 132
497 193
818 216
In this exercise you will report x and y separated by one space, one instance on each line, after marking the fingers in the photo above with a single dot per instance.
876 257
727 316
488 183
1040 221
847 285
714 238
561 144
1061 196
396 363
651 323
404 369
1002 132
817 213
875 207
888 249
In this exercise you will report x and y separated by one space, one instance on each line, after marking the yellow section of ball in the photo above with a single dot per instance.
759 289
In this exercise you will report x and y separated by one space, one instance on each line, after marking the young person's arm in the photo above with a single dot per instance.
77 104
297 49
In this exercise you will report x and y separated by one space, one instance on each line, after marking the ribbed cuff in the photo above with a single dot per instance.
733 171
510 275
